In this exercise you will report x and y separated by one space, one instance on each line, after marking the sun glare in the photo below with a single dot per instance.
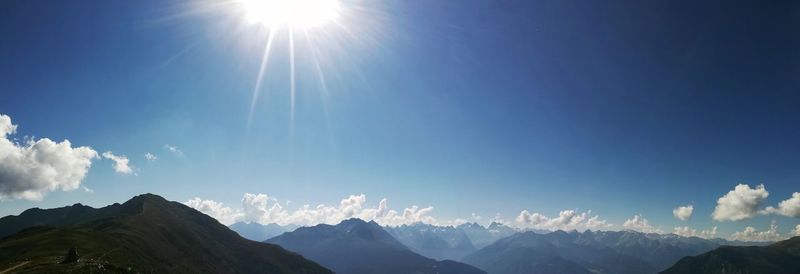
290 13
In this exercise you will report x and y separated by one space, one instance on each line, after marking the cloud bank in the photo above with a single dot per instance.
751 234
261 208
641 224
740 203
214 209
566 220
685 231
30 170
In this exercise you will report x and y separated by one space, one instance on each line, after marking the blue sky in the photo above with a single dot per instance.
472 106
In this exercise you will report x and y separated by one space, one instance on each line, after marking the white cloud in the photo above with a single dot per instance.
216 210
740 203
685 231
750 234
789 207
121 163
150 157
264 209
566 220
796 230
641 224
683 213
174 149
29 170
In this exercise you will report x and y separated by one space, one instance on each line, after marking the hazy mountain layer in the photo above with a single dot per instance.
438 242
482 236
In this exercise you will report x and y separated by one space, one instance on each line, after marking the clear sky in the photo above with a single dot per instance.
474 106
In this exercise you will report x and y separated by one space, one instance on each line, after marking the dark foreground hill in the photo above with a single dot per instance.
778 258
145 234
355 246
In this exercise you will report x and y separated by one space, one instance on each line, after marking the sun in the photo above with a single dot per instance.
290 13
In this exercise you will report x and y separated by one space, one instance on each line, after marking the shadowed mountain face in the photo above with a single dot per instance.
438 242
778 258
145 234
355 246
259 232
595 252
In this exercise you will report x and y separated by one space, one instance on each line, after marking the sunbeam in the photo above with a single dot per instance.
260 76
292 83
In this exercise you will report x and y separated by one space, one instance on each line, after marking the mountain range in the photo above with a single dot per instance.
432 241
356 246
145 234
150 234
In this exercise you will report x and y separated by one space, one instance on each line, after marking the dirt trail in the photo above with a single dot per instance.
8 270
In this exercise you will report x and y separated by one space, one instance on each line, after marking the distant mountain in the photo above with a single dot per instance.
482 236
595 252
438 242
259 232
145 234
778 258
355 246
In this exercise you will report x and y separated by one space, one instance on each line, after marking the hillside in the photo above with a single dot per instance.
778 258
145 234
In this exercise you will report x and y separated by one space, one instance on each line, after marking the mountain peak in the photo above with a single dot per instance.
136 204
148 197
